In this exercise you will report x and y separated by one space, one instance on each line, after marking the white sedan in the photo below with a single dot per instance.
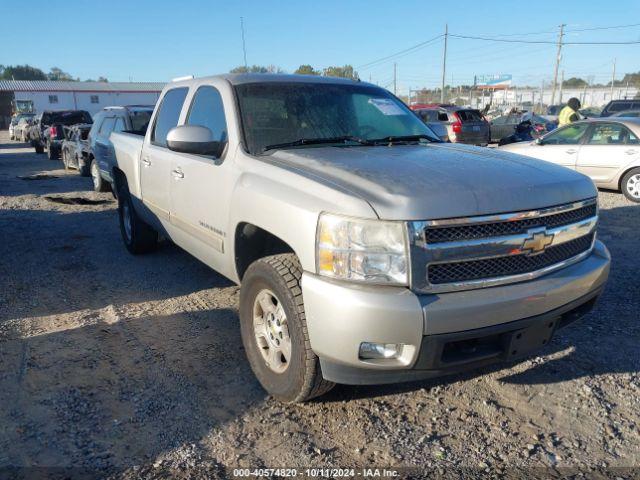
605 149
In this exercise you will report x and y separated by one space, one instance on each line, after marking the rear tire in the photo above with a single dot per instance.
279 318
83 168
630 185
39 148
52 153
99 185
137 235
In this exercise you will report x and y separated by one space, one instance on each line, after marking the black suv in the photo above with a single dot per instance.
615 106
47 131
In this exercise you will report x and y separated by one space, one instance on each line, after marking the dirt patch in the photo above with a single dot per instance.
39 176
76 200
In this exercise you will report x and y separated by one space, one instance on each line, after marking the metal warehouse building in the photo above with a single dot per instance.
90 96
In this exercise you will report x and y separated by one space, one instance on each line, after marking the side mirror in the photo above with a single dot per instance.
194 139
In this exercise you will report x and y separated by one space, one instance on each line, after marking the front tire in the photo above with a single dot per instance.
38 147
99 185
138 236
630 185
274 330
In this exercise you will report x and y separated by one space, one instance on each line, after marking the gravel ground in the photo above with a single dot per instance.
133 367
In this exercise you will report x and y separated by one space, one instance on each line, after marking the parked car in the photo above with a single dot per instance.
627 113
133 118
505 125
554 110
607 150
616 106
75 148
47 131
15 120
364 246
436 121
462 125
590 112
21 130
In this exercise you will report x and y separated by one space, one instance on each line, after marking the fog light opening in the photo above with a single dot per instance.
370 350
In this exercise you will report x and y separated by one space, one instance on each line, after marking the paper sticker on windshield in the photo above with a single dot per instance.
386 106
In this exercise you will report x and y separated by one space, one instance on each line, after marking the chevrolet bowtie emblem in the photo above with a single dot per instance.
537 241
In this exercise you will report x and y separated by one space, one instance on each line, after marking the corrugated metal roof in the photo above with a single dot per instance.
53 86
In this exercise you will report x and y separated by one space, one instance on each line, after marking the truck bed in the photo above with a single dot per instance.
127 148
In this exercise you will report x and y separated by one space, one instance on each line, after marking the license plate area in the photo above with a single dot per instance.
525 341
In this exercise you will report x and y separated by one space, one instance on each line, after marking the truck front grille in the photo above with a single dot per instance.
455 233
476 252
455 272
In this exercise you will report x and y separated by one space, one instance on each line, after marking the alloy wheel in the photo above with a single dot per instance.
271 331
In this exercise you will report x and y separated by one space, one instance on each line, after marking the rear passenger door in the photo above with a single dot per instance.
201 184
156 158
608 148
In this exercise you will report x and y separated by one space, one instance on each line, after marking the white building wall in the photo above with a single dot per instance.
82 100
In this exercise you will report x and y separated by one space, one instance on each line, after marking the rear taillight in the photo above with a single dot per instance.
53 132
457 125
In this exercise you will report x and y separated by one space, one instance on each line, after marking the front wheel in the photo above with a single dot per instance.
99 185
631 185
38 147
274 330
138 237
52 153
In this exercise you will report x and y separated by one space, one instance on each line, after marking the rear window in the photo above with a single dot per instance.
469 115
620 106
66 118
140 120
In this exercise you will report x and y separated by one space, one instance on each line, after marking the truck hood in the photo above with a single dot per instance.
422 182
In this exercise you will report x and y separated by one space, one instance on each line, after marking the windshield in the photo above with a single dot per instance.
280 113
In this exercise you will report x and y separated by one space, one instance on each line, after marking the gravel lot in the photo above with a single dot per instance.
133 366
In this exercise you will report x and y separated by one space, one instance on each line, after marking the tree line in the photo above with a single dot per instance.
27 72
346 71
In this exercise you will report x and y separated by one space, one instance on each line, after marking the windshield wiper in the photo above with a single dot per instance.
317 141
391 139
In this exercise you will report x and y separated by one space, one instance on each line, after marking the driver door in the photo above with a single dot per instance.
562 146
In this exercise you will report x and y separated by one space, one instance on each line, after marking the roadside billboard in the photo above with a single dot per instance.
497 81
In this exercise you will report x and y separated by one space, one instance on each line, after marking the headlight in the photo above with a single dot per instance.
372 251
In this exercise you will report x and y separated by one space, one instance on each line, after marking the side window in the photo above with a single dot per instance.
207 110
612 134
443 117
499 120
107 126
168 115
569 135
119 125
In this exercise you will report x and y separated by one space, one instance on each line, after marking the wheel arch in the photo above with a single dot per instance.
252 242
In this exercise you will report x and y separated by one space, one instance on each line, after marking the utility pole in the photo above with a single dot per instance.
444 61
555 70
613 77
395 78
244 46
561 83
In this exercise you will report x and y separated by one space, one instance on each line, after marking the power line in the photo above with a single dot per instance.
605 28
406 50
546 42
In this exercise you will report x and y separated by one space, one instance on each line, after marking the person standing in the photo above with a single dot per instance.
569 114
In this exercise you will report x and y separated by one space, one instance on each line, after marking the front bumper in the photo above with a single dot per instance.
447 332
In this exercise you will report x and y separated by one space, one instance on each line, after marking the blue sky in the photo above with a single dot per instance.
157 40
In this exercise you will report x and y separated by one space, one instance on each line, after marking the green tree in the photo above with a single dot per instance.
21 72
343 72
60 75
306 70
574 82
256 69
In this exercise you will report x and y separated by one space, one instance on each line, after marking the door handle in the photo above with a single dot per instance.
177 173
571 151
631 151
147 162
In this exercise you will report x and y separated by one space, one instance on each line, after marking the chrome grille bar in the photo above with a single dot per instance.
530 241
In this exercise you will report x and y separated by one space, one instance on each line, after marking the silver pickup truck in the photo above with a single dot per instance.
367 250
